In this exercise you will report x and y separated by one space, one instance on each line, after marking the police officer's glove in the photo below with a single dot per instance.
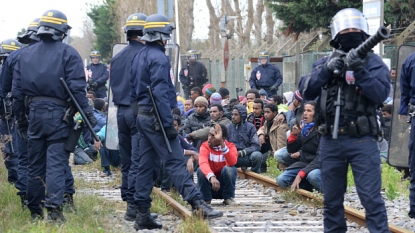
354 61
94 85
273 88
171 132
336 63
91 118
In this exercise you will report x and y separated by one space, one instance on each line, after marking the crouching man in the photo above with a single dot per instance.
216 176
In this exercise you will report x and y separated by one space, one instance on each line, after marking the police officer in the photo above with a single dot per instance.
127 130
151 67
36 82
364 84
193 75
9 47
97 75
408 101
265 76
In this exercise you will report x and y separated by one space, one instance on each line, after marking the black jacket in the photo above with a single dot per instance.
309 151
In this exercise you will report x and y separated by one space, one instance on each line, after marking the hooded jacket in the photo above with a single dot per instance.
195 122
244 134
203 134
277 134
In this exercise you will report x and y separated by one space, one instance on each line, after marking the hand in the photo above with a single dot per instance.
195 156
273 88
218 132
190 135
295 155
354 61
189 165
91 118
171 132
97 145
336 63
94 85
296 183
261 140
215 183
279 119
295 130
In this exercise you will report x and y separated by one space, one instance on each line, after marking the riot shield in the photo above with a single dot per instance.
111 134
399 134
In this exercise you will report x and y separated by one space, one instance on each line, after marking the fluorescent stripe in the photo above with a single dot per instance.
11 47
135 24
53 18
154 23
154 26
50 21
33 24
136 21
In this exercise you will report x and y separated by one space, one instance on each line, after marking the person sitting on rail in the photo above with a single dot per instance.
256 117
197 120
304 174
244 135
216 175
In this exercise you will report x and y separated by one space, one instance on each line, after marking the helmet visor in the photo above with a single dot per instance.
349 18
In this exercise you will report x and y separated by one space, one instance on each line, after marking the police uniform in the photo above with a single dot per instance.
408 97
267 77
37 82
126 118
364 86
99 77
151 67
196 75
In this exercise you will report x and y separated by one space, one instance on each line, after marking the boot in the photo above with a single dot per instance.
23 201
55 215
208 212
68 204
145 221
36 216
131 213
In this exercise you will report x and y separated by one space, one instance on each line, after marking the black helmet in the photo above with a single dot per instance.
135 22
263 54
8 46
30 33
192 53
95 53
157 27
55 23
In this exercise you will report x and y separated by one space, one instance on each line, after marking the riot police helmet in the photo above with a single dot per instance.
135 25
95 54
192 54
349 18
263 56
53 23
30 33
8 46
157 27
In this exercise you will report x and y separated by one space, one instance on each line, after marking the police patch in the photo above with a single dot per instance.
350 77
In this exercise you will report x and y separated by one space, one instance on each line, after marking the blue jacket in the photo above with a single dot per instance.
100 74
407 84
151 67
40 67
120 73
101 120
270 76
244 135
373 80
185 145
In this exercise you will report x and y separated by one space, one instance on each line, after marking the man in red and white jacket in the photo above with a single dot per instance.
216 176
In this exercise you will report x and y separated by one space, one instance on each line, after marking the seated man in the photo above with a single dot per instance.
216 177
243 134
197 120
256 117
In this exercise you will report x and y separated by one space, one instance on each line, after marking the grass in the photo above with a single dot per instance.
194 224
272 168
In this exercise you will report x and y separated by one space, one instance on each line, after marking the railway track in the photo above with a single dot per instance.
260 208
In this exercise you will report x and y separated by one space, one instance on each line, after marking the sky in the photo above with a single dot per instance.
12 21
24 11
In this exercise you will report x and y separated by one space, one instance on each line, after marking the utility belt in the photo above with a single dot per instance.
265 88
361 126
69 111
145 113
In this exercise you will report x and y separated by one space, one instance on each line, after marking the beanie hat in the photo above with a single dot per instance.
288 96
262 92
215 98
210 90
206 87
99 104
242 98
298 96
223 91
201 100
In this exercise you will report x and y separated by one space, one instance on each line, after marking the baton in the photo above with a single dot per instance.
7 117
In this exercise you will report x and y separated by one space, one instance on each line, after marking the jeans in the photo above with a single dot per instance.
283 156
109 157
312 180
253 160
227 180
80 157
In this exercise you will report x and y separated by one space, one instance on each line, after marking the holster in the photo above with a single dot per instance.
74 135
69 113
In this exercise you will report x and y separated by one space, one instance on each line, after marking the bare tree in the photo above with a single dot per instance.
213 26
269 21
85 43
187 24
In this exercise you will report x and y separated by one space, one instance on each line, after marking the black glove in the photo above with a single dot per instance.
91 118
273 88
354 61
94 85
336 63
171 132
1 107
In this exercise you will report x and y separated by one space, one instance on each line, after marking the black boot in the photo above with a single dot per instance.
131 213
68 203
200 207
36 216
23 201
145 221
55 215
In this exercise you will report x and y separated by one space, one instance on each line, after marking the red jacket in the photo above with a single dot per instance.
213 160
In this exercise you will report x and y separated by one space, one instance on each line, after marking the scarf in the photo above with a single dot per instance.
307 128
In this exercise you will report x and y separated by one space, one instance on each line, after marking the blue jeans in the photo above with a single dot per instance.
283 156
227 180
109 157
253 160
312 181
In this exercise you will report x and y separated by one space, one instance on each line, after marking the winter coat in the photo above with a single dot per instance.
309 148
277 134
